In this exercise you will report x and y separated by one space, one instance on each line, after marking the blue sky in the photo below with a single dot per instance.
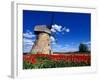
68 29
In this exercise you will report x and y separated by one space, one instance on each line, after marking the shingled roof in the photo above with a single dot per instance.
42 28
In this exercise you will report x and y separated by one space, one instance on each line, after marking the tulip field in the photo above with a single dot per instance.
38 61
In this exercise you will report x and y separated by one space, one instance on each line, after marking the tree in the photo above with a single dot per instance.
83 48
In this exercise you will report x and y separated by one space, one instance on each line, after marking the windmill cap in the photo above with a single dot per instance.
42 28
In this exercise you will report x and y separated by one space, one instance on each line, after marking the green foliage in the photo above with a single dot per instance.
27 65
34 52
83 48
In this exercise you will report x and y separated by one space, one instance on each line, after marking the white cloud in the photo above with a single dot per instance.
64 28
59 28
27 48
27 44
53 43
53 30
28 41
28 34
56 27
67 30
52 39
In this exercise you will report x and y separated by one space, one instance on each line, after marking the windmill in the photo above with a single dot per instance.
42 43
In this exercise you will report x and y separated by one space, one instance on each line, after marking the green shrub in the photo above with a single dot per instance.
83 48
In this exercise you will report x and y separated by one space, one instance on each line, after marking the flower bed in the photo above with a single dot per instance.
31 61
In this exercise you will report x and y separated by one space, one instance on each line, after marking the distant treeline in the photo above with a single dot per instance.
88 52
